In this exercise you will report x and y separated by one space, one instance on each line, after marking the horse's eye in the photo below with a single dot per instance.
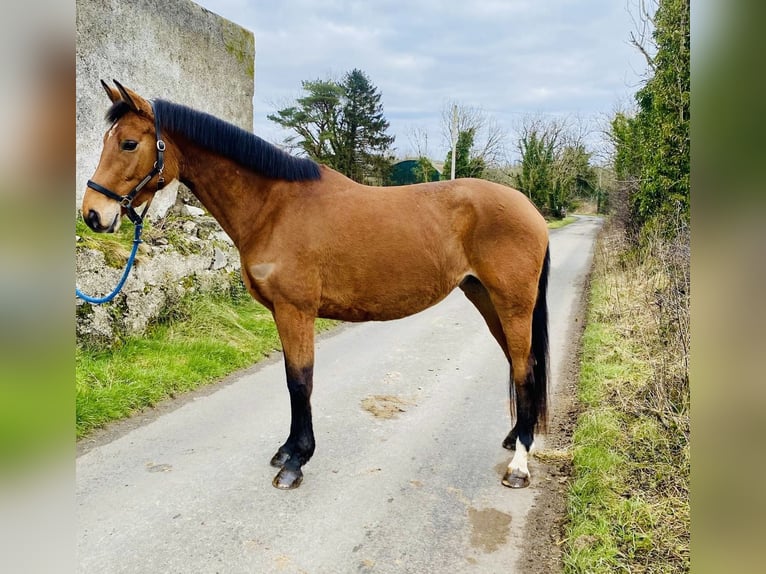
128 145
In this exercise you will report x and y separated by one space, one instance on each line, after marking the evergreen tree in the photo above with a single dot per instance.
315 121
363 128
342 125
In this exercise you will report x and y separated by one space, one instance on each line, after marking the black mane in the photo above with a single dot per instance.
226 139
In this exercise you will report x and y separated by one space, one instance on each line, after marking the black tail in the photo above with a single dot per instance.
540 346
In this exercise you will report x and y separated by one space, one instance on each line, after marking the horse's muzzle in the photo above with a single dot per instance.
94 222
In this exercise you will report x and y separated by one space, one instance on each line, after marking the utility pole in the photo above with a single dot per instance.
454 134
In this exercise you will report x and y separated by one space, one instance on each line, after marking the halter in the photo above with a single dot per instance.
126 201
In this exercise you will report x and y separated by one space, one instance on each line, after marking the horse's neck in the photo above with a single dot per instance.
234 195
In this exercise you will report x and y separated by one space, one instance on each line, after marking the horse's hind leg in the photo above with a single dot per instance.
296 331
523 315
478 295
525 322
523 395
521 308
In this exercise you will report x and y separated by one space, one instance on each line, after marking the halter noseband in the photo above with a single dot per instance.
126 201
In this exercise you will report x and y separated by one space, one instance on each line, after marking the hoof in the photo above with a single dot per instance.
280 459
515 479
287 479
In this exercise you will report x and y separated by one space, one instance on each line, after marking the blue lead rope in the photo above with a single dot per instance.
131 259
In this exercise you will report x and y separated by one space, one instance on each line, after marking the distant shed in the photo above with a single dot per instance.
409 171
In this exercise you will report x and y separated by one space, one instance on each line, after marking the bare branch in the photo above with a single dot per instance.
640 47
489 136
418 139
643 23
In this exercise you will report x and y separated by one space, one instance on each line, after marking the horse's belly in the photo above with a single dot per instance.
382 301
371 312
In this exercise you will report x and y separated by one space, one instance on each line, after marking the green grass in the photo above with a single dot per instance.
206 339
594 495
628 507
557 223
115 246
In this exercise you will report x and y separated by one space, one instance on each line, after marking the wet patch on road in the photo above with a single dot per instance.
489 528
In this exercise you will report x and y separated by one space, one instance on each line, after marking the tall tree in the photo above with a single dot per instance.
363 127
652 146
537 146
340 124
315 121
573 177
555 165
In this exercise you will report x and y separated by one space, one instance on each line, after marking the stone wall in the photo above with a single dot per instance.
176 50
180 254
173 49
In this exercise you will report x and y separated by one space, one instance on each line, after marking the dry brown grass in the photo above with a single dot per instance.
642 387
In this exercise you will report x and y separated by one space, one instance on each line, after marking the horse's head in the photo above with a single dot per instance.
134 162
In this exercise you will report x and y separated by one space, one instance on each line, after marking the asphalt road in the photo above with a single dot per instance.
409 417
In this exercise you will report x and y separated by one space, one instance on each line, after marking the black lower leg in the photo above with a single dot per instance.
300 444
526 412
509 442
523 432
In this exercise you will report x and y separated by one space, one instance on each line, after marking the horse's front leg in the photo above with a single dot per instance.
296 330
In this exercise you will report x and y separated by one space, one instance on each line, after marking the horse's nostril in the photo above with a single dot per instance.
93 220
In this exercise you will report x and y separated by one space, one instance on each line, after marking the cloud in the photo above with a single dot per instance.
509 57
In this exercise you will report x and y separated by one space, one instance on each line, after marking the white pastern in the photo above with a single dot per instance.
519 462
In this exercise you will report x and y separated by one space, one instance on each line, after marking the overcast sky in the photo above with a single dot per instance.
507 57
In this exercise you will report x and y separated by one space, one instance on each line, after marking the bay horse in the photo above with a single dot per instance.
314 243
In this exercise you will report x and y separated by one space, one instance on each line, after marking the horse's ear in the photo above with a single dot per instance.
113 94
125 96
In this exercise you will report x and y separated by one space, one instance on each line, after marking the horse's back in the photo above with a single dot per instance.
443 229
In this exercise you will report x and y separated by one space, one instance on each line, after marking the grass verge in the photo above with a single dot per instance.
557 223
206 339
628 505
